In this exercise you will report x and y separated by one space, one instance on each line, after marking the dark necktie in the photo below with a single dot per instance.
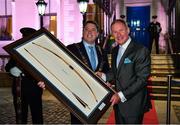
92 58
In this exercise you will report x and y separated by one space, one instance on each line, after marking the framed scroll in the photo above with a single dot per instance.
75 85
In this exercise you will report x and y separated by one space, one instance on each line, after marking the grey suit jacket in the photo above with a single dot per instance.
131 78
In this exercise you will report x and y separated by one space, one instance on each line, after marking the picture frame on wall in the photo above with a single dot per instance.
44 57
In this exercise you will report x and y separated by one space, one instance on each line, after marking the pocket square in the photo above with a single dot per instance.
127 60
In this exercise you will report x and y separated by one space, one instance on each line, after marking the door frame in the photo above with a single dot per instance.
135 4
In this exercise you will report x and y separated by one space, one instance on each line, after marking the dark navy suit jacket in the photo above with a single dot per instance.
102 58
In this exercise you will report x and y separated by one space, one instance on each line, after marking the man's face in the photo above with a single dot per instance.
90 33
154 20
120 32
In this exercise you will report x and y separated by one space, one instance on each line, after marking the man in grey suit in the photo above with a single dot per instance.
129 70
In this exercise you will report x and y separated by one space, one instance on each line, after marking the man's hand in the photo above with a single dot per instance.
115 99
109 84
41 85
99 74
15 71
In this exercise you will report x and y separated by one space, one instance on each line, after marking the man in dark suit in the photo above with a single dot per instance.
98 62
154 30
30 94
130 70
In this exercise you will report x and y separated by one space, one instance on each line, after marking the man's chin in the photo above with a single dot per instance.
90 41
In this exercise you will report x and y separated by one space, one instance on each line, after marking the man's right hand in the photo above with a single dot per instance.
41 85
115 99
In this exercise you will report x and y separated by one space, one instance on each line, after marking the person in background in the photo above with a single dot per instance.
28 90
154 31
130 70
122 17
89 53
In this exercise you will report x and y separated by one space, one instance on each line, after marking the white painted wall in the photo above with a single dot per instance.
25 14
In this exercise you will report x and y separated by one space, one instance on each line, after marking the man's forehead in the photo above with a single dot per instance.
90 25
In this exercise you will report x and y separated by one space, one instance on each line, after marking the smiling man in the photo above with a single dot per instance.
89 53
130 70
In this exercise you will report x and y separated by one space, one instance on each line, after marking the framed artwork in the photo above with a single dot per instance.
44 57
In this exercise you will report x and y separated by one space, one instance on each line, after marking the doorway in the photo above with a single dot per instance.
138 19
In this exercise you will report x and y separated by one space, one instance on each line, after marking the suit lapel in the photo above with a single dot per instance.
126 53
99 56
114 57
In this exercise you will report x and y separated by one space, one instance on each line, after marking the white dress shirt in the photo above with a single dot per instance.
123 47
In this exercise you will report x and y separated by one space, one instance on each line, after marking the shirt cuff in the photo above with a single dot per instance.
103 77
122 97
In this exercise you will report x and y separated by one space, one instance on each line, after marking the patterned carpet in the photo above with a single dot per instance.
53 112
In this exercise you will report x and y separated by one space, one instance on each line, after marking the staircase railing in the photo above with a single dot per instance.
169 43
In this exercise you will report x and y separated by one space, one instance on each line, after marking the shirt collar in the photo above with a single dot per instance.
87 44
125 45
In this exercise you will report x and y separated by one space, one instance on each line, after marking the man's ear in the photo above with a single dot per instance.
128 30
98 35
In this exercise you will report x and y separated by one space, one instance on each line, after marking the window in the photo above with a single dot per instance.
5 27
50 23
5 20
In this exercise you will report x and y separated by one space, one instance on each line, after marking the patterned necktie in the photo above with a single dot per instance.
92 58
119 55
